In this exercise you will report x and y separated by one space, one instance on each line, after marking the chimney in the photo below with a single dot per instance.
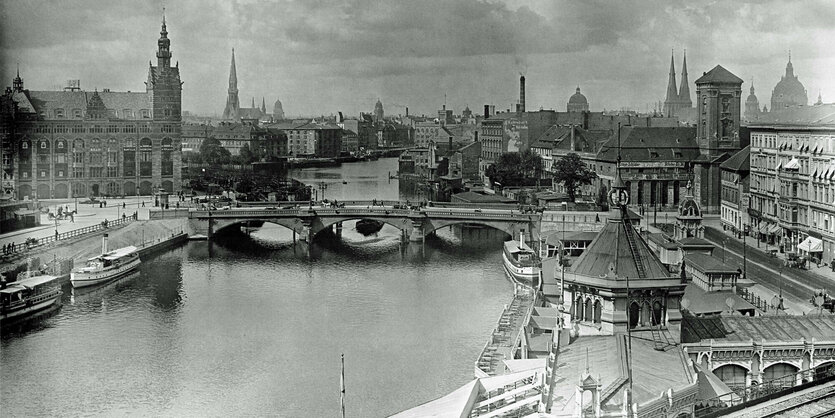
407 111
104 243
486 111
522 94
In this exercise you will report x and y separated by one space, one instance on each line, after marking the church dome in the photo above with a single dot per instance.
578 98
789 91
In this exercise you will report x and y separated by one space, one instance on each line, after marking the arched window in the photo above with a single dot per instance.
780 375
24 145
732 375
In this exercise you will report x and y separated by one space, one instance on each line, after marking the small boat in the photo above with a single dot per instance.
107 266
28 296
368 226
520 262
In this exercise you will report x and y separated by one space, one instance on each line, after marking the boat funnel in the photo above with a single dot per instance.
104 243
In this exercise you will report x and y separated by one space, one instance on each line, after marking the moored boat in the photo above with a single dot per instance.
28 296
520 262
107 266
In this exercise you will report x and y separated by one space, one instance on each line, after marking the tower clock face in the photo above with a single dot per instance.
619 197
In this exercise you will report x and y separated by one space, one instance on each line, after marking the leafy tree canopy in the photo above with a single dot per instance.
572 172
213 153
513 168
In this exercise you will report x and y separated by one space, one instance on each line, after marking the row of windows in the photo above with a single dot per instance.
60 113
145 170
787 141
43 128
95 143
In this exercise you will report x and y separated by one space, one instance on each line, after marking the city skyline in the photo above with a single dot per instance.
328 57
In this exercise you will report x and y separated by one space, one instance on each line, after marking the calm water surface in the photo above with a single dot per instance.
255 325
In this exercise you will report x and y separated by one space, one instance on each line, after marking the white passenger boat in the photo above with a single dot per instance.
28 295
520 262
107 266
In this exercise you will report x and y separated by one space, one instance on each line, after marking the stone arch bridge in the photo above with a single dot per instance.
414 223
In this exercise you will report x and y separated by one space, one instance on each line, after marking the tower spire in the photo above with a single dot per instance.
164 46
232 104
672 91
684 91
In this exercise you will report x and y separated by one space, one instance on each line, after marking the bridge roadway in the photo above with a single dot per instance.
414 222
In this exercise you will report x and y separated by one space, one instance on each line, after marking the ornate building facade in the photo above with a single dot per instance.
75 143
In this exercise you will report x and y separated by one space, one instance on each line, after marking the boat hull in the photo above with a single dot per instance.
31 309
81 279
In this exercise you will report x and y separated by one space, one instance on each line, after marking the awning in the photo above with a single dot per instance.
773 228
794 164
763 228
811 245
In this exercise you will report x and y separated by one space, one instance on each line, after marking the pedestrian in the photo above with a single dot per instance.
143 203
72 217
123 215
5 248
123 205
56 234
101 205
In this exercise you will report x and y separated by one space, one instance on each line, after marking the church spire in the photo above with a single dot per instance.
17 83
232 104
672 91
789 66
263 105
233 76
684 91
164 44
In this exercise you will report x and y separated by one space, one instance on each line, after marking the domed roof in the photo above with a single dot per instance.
789 90
578 97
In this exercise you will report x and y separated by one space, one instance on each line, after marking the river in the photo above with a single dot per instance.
255 325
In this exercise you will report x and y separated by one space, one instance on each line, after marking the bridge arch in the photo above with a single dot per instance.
401 223
508 227
293 224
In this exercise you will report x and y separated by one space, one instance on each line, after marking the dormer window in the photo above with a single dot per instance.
145 114
77 114
59 113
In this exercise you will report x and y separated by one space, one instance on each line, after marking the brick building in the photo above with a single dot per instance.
75 143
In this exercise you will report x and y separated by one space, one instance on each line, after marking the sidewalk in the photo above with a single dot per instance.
87 215
823 271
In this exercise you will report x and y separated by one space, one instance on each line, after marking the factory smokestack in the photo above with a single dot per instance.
486 111
521 108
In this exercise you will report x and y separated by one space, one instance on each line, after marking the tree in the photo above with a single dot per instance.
603 198
213 153
513 168
572 172
247 156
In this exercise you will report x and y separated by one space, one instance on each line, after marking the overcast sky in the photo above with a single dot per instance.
324 56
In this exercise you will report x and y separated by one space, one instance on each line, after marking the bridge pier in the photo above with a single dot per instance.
417 232
338 227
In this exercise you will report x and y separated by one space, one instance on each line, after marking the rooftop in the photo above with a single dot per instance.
759 328
801 116
663 144
701 302
718 75
739 161
707 264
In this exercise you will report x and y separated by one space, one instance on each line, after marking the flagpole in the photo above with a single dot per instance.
342 387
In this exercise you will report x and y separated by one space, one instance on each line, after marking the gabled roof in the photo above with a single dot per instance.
758 328
667 144
718 75
739 162
46 102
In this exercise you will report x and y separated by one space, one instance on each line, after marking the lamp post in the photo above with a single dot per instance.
744 253
724 241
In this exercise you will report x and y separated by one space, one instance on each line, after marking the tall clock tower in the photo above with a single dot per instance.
718 94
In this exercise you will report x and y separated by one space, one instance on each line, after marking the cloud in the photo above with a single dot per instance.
326 55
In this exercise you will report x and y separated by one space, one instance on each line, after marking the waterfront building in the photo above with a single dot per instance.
792 173
261 140
317 139
350 141
577 102
735 196
76 143
364 128
677 100
789 91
